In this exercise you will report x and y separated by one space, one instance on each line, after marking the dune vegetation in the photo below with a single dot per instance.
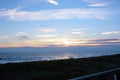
58 69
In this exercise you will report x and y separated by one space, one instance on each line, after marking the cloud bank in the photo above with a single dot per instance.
111 32
56 14
97 3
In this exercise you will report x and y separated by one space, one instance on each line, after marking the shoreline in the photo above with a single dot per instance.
15 60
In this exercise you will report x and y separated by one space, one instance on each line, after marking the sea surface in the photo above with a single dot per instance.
21 56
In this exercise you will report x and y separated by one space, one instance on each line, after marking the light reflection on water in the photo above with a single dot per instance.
26 57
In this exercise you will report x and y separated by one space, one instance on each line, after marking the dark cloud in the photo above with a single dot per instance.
22 37
104 40
107 41
42 25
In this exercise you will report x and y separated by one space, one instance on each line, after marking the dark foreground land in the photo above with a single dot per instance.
57 69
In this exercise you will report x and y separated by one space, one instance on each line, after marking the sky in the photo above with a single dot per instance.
41 23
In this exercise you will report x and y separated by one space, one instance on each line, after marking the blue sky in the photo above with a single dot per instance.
59 22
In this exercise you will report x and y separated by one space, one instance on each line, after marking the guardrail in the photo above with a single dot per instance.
113 74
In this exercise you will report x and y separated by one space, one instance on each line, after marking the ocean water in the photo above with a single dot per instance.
27 56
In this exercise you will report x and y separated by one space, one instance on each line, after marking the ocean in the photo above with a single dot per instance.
13 55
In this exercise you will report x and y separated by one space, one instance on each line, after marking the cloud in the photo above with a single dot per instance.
55 14
77 32
29 3
54 2
111 32
78 29
107 41
93 42
60 42
46 30
21 34
23 37
3 37
46 36
97 3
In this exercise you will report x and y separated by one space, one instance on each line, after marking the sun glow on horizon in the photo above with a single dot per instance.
62 42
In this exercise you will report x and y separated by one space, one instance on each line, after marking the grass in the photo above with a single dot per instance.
57 69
